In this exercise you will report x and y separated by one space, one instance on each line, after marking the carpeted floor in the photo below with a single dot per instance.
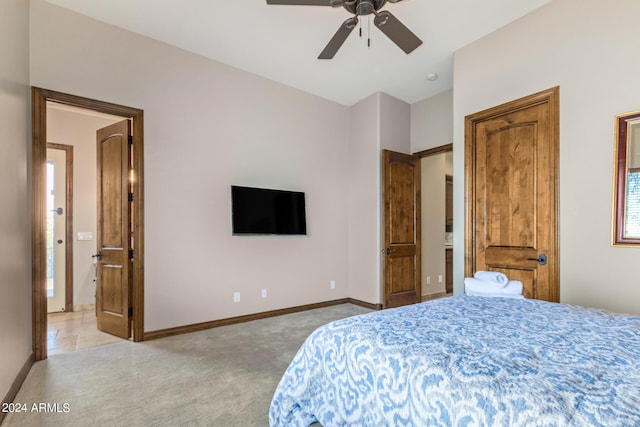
219 377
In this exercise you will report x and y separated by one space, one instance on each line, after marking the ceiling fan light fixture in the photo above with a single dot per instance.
336 3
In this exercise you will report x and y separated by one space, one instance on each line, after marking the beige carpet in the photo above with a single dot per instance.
220 377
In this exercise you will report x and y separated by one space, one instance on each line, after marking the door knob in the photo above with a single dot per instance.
98 255
59 211
542 259
59 241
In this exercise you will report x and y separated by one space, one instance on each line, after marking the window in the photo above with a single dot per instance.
632 214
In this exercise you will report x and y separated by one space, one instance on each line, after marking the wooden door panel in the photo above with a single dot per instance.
511 167
402 209
111 296
113 163
401 276
509 191
113 277
401 195
400 269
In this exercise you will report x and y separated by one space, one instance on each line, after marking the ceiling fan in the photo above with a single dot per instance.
384 20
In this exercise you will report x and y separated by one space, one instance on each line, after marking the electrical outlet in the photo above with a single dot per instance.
264 293
332 284
428 280
236 297
439 278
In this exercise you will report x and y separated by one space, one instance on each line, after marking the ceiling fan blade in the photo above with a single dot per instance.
301 2
396 31
338 38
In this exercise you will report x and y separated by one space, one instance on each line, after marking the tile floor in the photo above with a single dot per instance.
77 330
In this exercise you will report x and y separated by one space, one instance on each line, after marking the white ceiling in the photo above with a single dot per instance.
282 42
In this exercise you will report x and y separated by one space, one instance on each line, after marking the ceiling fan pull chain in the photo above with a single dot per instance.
369 31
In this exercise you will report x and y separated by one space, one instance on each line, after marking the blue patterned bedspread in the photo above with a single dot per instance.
466 361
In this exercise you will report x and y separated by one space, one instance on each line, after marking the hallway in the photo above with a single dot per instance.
71 331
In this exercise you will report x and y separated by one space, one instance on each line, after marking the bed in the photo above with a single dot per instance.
466 361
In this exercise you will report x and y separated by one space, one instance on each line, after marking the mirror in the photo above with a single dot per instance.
626 203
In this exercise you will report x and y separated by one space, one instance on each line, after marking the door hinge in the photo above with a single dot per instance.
130 311
131 197
130 139
130 253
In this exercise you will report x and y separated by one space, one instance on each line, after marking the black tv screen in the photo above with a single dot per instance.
265 211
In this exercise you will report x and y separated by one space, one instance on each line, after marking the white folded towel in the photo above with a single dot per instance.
492 276
473 286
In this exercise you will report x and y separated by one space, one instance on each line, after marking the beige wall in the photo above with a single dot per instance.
588 48
432 122
395 124
79 130
364 200
208 126
376 123
15 220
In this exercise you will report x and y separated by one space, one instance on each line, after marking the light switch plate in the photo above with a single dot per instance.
85 235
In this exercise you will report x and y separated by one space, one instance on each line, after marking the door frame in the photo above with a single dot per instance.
434 151
552 98
39 98
446 148
68 208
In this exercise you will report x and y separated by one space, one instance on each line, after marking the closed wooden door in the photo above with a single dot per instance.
511 166
113 278
401 195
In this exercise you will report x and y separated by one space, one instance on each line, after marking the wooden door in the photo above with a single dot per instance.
401 195
113 278
511 193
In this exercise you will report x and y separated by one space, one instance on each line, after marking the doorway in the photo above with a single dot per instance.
437 220
40 98
75 326
511 192
59 193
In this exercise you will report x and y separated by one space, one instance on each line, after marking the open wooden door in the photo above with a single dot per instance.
401 195
113 278
511 193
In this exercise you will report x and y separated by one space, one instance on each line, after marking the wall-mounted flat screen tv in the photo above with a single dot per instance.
265 211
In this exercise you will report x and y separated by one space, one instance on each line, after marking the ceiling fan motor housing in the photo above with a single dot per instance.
363 7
